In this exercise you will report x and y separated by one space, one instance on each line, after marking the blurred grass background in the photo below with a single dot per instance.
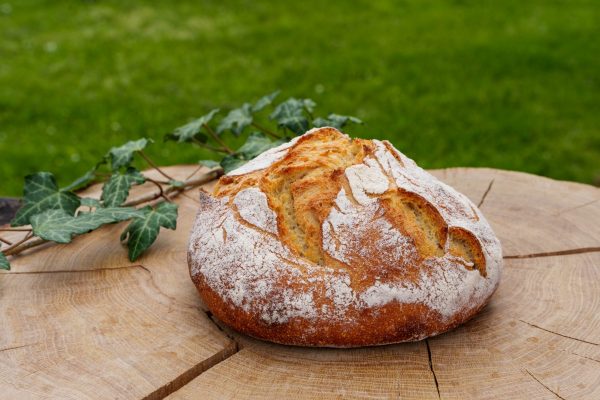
504 84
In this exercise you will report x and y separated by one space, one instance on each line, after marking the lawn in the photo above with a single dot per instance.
506 84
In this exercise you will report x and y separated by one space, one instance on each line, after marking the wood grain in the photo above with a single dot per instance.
538 338
79 321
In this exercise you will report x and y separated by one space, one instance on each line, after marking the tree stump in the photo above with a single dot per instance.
79 321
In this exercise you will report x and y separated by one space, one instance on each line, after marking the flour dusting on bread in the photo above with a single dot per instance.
369 262
365 179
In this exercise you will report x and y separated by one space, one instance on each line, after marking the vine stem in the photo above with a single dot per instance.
265 130
209 147
15 230
194 172
218 139
169 193
161 192
14 249
153 165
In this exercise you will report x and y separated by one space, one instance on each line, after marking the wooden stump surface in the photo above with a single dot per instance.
80 321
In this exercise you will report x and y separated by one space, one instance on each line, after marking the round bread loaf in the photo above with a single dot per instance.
333 241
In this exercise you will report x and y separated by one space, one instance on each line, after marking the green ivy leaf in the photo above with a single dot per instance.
82 181
256 143
116 189
87 202
142 231
290 114
4 264
265 101
123 155
320 122
237 120
335 121
40 194
60 227
209 163
309 105
231 162
192 130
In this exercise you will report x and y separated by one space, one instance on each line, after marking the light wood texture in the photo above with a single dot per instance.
79 321
538 339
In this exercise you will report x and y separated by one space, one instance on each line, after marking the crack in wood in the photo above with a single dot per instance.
559 334
198 369
215 322
546 387
487 191
65 271
582 356
192 373
575 207
555 253
437 385
19 347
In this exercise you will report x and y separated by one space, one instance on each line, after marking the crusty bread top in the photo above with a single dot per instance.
325 226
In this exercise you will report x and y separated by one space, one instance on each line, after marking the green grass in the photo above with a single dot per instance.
506 84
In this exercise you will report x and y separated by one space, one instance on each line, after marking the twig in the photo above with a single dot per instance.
14 249
160 188
265 130
8 242
194 172
189 184
24 246
15 230
153 165
209 147
218 139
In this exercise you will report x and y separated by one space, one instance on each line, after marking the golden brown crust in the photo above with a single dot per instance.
392 323
367 249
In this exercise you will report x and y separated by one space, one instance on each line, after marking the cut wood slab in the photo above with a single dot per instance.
80 321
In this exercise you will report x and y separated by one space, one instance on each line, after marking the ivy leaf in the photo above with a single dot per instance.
321 122
4 264
82 181
256 143
335 121
209 163
237 120
265 101
123 155
309 105
60 227
290 114
40 194
87 202
231 162
192 130
142 231
116 189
